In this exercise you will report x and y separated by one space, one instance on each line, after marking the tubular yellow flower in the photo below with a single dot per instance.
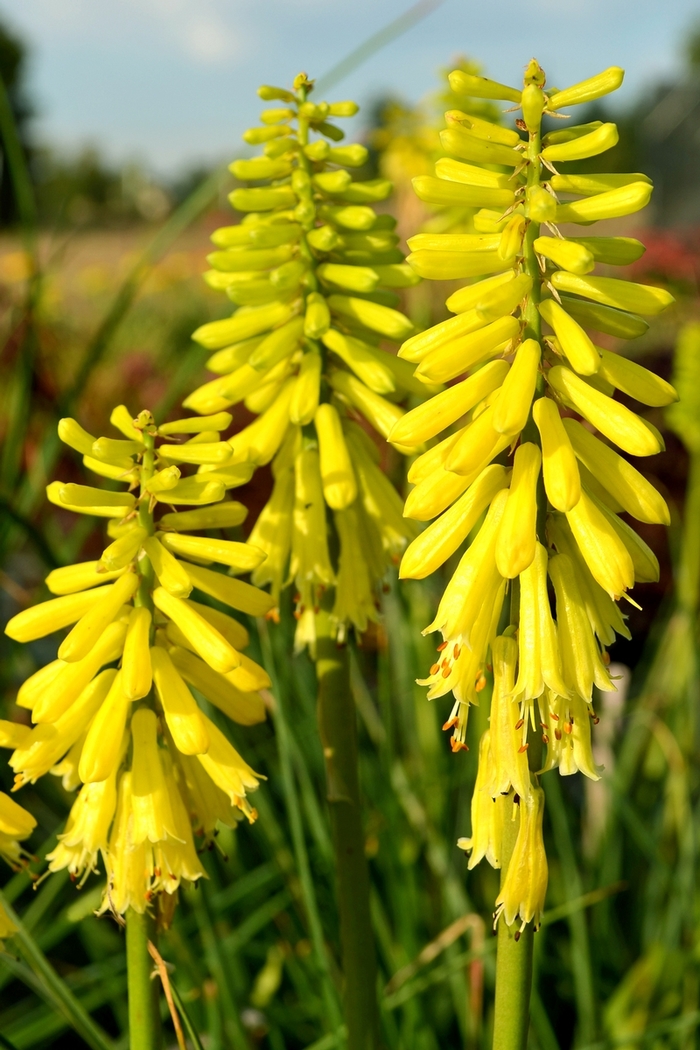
313 272
534 312
104 728
15 824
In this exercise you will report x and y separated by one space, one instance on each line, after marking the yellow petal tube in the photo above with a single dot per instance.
440 540
612 419
46 744
87 829
246 708
603 551
153 819
102 748
13 734
272 533
382 414
630 488
635 380
171 574
587 90
568 254
354 596
610 291
125 863
136 658
517 537
47 617
577 346
259 441
72 578
304 400
242 557
539 662
452 359
509 755
512 409
249 676
612 204
337 474
234 632
205 639
59 690
525 885
583 146
238 595
576 752
15 821
645 562
227 769
93 623
581 661
476 445
498 300
416 348
123 551
464 594
185 720
562 480
439 412
486 813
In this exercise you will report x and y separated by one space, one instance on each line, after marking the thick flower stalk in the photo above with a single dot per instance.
525 436
15 824
312 269
114 715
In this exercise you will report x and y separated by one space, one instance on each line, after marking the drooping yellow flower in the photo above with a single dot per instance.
15 824
524 336
314 273
152 769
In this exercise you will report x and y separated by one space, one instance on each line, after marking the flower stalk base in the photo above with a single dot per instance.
338 729
144 1017
513 963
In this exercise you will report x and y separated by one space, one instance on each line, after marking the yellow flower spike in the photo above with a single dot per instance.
635 380
451 359
51 616
630 488
102 747
486 813
517 537
604 553
562 481
211 646
185 720
428 551
93 623
539 661
432 417
307 390
73 578
136 658
337 475
64 684
567 254
577 346
512 409
509 760
612 419
525 884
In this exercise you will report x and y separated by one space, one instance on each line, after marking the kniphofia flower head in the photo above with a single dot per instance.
115 714
314 273
527 436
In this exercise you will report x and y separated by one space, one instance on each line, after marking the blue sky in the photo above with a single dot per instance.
172 82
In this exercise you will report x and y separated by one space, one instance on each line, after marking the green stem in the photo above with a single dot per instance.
338 730
144 1018
513 961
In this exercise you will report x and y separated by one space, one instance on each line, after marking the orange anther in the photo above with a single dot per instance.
451 723
523 748
443 645
434 668
520 723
